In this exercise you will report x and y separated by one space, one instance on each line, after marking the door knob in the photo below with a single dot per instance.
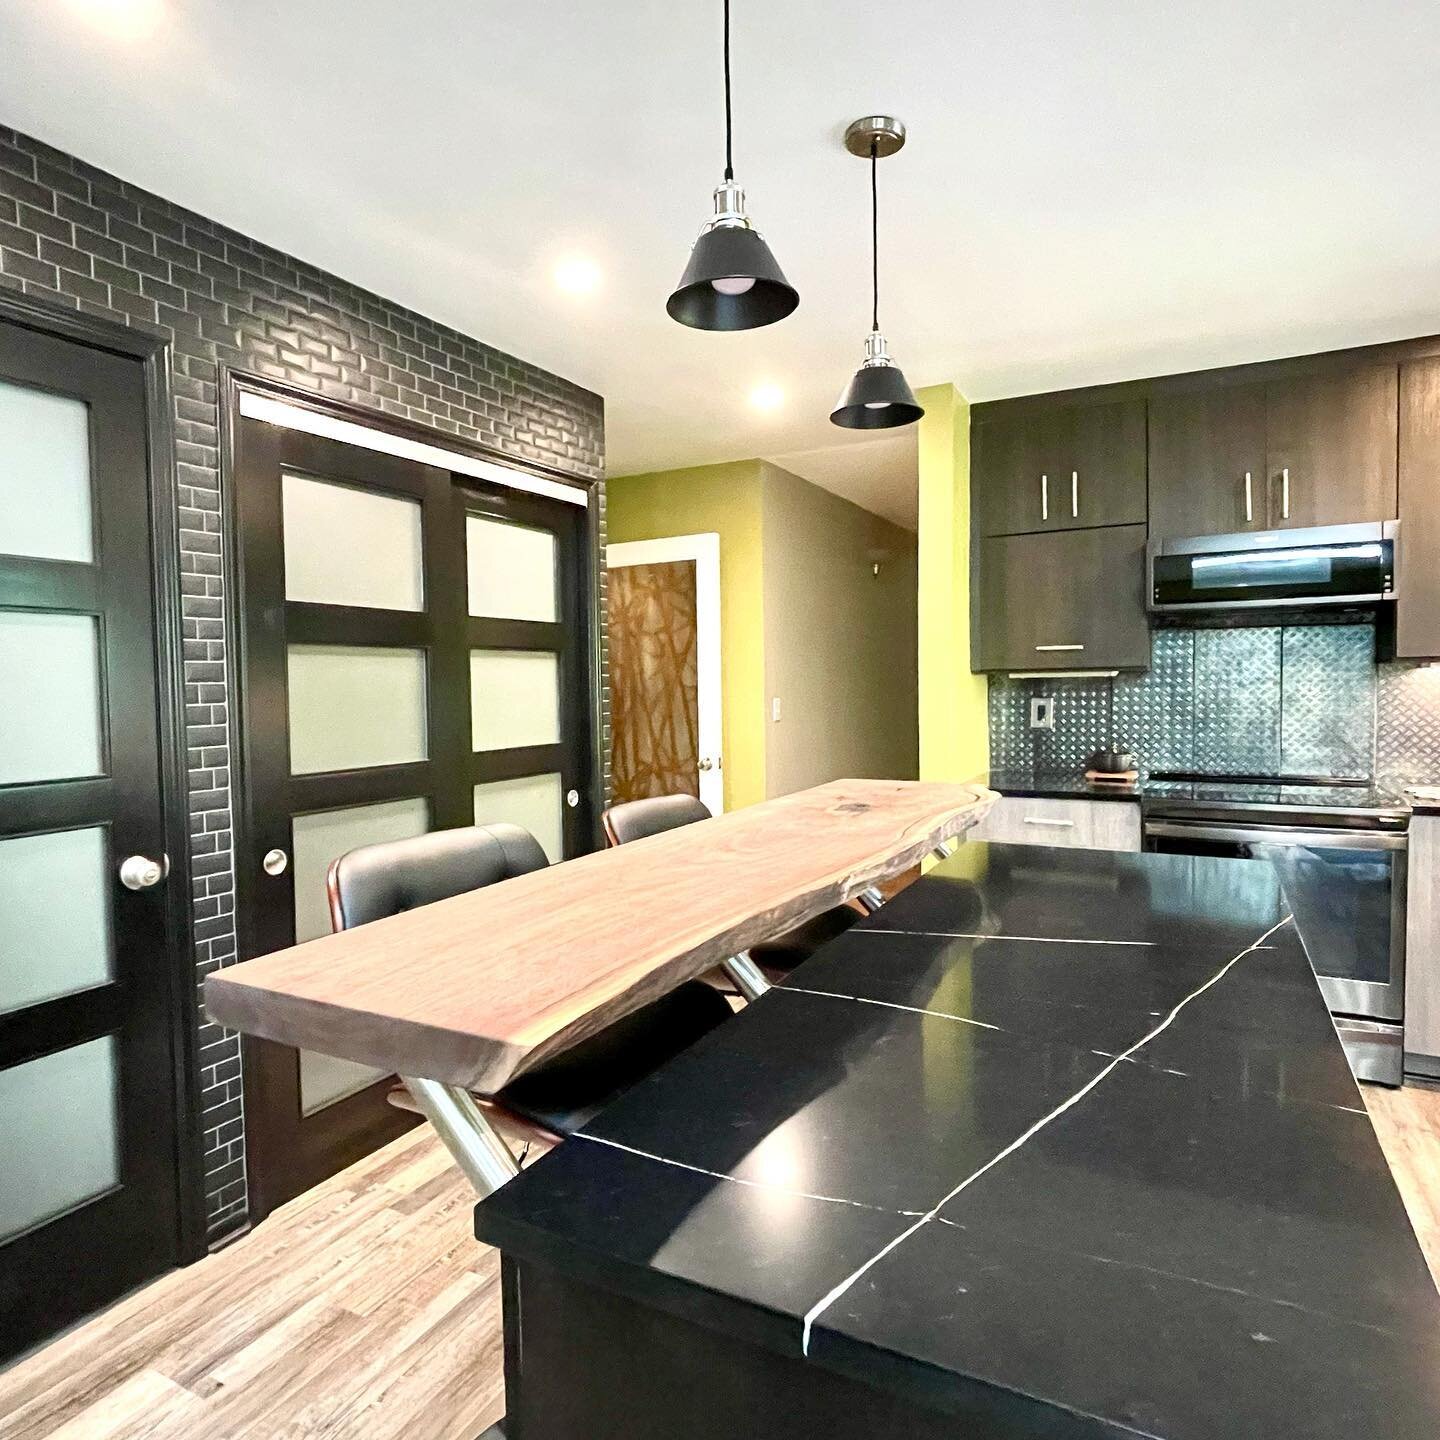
706 764
274 862
572 798
140 872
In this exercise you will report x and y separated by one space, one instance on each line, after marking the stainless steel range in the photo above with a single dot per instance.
1340 847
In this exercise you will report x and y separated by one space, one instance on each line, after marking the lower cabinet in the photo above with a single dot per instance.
1422 948
1065 600
1072 824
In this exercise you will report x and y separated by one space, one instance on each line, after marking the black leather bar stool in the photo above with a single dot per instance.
571 1088
636 819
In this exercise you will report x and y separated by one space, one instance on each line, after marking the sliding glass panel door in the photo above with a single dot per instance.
414 658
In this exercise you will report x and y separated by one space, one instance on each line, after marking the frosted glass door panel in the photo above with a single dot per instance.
50 683
533 802
353 707
54 916
511 570
318 840
346 546
514 698
62 1134
45 508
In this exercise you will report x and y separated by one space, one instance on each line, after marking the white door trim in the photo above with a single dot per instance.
704 550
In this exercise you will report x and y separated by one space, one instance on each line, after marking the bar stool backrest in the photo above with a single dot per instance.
636 819
379 880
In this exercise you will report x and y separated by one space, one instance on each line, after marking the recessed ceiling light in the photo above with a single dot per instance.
767 396
577 276
127 19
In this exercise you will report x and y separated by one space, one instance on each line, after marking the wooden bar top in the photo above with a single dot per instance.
475 990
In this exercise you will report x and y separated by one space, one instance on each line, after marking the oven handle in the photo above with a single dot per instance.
1260 834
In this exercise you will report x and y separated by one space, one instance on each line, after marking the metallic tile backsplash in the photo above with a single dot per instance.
1295 699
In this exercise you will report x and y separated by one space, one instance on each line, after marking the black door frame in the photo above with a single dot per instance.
151 347
584 659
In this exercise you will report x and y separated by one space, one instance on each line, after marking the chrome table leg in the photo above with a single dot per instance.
477 1147
747 975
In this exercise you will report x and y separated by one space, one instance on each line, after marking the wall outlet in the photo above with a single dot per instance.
775 708
1042 712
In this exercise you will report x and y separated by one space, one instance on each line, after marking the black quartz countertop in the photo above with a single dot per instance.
1061 1142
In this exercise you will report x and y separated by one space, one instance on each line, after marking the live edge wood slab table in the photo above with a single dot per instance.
464 995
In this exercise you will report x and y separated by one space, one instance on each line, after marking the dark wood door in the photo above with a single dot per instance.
1417 612
1207 462
1331 448
1102 474
1068 601
1015 463
89 1188
414 657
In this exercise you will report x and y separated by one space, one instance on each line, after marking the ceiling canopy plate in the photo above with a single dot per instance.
887 133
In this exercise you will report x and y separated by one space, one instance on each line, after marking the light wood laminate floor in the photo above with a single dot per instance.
366 1309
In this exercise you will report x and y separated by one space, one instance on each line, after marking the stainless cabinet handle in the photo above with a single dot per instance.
1074 494
1285 493
1044 497
1249 513
1059 647
1053 824
140 872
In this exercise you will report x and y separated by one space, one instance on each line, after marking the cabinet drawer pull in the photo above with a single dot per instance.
1249 512
1074 494
1285 493
1044 497
1059 647
1053 824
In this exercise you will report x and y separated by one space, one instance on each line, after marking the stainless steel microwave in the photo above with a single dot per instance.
1327 565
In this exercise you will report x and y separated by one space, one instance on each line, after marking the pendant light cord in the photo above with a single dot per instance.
729 159
874 240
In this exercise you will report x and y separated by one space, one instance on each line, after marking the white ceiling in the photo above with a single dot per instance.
1090 192
878 474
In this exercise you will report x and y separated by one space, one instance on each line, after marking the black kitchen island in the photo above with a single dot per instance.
1058 1143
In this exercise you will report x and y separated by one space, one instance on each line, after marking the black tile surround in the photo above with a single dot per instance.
72 235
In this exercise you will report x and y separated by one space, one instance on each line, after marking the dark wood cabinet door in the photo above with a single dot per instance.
1417 612
1207 462
1102 473
1072 600
1331 448
1010 461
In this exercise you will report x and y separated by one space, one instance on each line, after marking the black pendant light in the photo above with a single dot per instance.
732 281
877 397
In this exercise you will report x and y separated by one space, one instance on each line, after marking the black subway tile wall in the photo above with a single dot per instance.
1282 699
78 237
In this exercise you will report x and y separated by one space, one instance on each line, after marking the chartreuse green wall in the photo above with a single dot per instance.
954 726
728 500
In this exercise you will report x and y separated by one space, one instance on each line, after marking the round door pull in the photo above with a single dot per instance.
140 872
275 862
705 764
572 798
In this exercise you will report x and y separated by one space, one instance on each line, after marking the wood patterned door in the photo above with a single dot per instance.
665 669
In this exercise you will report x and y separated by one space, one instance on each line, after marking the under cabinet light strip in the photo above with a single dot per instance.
298 417
1063 674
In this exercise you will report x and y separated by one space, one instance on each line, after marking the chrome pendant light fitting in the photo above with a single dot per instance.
732 281
877 397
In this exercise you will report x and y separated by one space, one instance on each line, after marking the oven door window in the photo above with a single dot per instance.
1341 900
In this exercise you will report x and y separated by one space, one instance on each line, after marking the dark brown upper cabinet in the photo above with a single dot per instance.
1071 601
1065 468
1330 443
1417 612
1207 462
1316 450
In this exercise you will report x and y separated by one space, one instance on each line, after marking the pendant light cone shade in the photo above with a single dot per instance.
732 281
878 396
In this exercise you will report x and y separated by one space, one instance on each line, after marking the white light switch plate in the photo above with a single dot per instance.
775 708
